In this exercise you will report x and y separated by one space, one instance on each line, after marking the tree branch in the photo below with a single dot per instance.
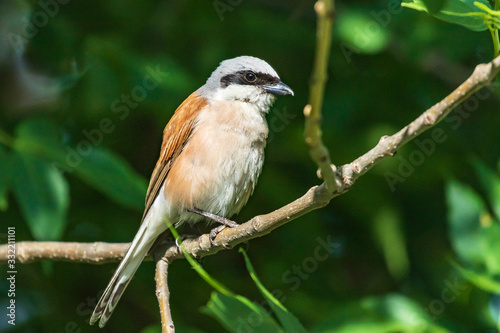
91 253
316 197
482 76
163 294
325 10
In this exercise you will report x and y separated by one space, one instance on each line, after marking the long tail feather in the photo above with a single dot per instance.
141 244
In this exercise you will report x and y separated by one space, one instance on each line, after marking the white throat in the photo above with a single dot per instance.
248 94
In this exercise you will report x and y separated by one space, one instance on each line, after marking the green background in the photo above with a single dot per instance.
392 250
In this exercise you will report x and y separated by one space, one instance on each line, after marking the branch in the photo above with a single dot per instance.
91 253
482 76
163 294
319 153
316 197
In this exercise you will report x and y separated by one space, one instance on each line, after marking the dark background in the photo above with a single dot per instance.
387 65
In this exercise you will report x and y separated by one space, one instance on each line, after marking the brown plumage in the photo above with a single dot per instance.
175 136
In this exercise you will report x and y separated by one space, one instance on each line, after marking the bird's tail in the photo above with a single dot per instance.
141 244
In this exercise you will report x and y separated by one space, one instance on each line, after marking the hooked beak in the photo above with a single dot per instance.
278 89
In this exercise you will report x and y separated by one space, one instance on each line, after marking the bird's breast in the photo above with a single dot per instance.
219 166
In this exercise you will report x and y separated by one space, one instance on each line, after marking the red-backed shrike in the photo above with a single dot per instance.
210 159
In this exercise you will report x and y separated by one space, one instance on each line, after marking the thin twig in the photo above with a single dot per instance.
319 152
316 197
163 294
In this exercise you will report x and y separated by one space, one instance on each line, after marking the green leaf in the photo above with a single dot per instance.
480 280
289 322
465 209
237 315
434 5
98 167
417 5
391 313
489 235
197 267
464 13
491 183
42 194
234 312
461 12
474 233
111 175
40 137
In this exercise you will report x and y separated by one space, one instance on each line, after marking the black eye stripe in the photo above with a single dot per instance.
242 79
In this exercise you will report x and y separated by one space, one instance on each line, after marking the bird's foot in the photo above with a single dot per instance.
219 219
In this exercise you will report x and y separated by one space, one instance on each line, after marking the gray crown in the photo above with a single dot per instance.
234 65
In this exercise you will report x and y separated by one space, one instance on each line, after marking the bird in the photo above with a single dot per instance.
210 159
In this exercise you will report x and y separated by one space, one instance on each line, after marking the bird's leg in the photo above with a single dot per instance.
213 217
219 219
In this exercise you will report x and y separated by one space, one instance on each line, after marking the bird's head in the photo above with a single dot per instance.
245 79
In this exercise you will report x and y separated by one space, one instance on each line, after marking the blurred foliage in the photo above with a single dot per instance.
476 15
87 87
238 313
468 13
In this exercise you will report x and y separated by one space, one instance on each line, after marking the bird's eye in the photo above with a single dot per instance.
250 76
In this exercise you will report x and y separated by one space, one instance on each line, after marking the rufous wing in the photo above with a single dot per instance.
175 136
